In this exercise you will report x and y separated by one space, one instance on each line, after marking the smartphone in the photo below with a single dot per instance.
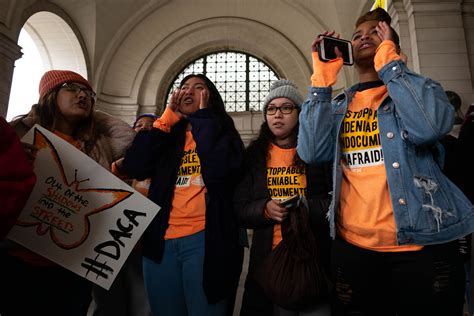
326 49
291 201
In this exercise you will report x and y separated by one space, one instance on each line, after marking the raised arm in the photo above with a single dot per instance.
316 137
147 147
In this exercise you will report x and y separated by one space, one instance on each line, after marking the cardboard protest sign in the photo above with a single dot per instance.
79 215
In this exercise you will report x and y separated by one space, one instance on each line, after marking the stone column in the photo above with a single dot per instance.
9 52
400 24
438 44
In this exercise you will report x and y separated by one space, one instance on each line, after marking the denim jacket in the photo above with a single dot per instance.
428 208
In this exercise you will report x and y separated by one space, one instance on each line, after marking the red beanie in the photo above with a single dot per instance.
54 78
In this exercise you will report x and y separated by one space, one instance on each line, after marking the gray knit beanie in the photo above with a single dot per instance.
282 89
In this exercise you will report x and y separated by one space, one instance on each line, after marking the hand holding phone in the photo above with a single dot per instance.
291 201
275 211
324 74
326 49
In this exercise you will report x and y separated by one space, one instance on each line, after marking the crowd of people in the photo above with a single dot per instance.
350 208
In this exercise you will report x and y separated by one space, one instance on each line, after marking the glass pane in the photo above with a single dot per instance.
242 80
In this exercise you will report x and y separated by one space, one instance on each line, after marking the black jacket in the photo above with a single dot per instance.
250 199
157 155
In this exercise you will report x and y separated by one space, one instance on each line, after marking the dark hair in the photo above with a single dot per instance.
150 115
46 111
216 104
381 15
257 151
47 108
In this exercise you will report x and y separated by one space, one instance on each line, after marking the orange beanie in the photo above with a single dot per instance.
54 78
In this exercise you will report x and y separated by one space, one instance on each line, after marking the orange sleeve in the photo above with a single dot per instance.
325 73
385 53
166 121
117 172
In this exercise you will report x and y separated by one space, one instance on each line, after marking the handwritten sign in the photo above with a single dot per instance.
79 215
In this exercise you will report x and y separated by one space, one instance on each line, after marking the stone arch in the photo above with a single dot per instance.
57 43
274 49
60 43
58 39
144 87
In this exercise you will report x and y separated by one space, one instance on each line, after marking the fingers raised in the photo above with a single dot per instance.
384 31
276 212
204 99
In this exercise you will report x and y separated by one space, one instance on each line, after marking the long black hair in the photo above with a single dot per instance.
46 111
216 104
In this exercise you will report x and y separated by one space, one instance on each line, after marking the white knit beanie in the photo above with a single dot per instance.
282 89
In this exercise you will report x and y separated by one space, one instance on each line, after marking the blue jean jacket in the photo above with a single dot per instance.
428 208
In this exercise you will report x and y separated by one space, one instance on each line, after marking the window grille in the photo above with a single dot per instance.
242 80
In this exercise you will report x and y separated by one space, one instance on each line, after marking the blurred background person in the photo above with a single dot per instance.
193 154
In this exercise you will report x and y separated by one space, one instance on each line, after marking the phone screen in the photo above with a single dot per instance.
326 49
290 202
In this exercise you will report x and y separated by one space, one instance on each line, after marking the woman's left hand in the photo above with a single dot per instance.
384 31
175 101
204 99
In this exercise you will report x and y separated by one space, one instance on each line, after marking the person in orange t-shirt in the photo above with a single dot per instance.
192 257
394 214
274 172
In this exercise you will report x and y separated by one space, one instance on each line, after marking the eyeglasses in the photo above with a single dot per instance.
284 109
72 87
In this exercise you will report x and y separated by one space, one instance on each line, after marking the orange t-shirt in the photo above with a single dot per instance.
71 140
366 214
188 208
27 255
283 180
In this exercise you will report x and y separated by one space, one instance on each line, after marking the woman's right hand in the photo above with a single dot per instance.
175 101
275 211
319 38
325 73
30 151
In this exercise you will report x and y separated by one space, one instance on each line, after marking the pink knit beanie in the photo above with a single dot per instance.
54 78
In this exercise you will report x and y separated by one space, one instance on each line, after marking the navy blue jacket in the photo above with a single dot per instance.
157 155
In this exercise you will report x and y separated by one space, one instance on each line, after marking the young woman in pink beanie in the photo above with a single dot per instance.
31 284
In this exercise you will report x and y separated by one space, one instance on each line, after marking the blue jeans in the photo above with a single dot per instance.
174 286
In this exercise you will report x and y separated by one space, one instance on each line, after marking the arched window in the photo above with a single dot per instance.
48 42
243 80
